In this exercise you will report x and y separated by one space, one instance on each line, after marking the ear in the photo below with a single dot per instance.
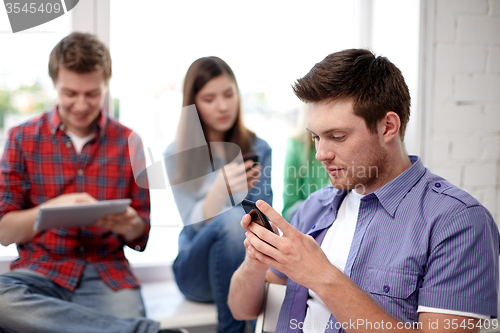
389 126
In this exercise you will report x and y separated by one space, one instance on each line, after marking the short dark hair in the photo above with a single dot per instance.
81 53
375 84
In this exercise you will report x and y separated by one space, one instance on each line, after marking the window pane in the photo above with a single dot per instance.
25 86
268 44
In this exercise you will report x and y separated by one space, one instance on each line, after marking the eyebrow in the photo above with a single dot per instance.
87 92
327 131
212 94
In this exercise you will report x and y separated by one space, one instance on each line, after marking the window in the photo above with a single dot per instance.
25 86
268 44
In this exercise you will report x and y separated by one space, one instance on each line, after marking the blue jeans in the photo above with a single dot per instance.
31 302
206 261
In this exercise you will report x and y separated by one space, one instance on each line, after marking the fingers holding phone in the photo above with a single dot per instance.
256 215
254 236
253 169
253 256
242 177
236 177
253 173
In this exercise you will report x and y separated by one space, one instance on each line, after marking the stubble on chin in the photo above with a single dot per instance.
362 177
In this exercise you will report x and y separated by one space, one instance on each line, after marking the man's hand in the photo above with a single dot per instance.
294 254
128 224
302 260
246 292
251 258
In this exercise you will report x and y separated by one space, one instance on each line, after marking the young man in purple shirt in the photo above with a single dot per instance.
389 246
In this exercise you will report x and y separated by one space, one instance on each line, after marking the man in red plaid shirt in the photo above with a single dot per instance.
72 279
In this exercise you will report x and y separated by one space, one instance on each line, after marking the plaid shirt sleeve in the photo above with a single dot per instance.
14 181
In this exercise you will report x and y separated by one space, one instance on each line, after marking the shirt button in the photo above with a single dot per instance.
386 289
62 127
81 248
137 248
438 185
68 145
80 172
314 226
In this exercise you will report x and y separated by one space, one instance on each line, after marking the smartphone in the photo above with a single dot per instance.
251 156
257 216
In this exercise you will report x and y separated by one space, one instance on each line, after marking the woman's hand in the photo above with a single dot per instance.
242 177
230 179
253 173
233 178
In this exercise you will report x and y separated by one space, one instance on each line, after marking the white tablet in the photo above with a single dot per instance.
77 215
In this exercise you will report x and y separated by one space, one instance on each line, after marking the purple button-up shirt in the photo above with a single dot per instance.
419 240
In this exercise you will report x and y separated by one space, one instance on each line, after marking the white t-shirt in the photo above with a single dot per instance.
336 245
79 142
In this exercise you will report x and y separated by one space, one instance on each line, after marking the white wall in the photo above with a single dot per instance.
460 94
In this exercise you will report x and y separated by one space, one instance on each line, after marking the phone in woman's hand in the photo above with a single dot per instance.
251 156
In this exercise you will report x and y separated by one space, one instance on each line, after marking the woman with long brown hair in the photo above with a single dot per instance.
209 179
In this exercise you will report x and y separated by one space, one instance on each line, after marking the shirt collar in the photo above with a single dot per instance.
391 194
332 196
56 122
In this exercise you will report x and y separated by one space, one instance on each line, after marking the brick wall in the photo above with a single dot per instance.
462 116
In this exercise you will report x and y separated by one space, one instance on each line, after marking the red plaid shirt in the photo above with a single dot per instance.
40 163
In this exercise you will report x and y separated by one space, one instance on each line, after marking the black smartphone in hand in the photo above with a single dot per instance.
251 156
257 216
